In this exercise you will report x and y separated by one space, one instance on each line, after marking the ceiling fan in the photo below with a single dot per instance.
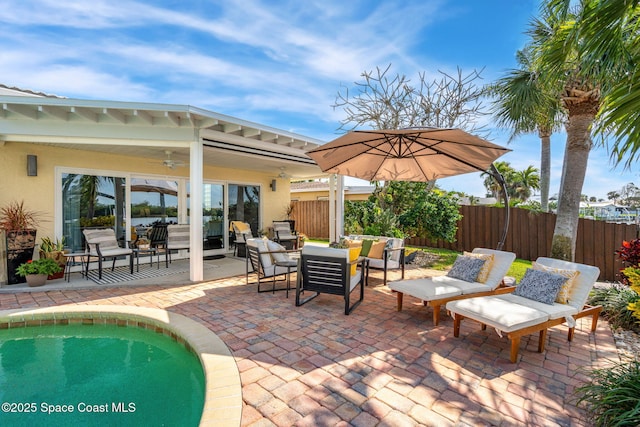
283 174
171 163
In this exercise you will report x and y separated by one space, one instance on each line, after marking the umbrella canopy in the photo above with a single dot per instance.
422 154
155 186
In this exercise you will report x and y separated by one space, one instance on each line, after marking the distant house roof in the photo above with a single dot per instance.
15 91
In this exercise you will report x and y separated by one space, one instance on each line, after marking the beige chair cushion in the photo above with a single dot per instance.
483 275
567 287
508 312
583 283
279 252
501 263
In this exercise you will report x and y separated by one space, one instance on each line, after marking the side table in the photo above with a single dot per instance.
289 264
71 260
146 251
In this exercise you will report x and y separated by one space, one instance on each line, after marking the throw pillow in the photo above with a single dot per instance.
354 253
353 243
486 268
366 247
377 250
275 249
540 286
567 287
466 268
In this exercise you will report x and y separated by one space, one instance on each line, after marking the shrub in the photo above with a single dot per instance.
39 266
633 277
612 397
629 254
615 301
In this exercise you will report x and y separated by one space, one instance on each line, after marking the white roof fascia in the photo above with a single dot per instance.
172 115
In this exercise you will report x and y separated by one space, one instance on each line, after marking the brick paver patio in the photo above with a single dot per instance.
314 366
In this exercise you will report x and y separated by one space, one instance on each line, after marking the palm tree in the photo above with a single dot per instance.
525 181
577 75
525 105
609 31
491 183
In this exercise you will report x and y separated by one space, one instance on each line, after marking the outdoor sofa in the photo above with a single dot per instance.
380 252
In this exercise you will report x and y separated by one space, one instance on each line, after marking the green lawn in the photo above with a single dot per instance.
445 258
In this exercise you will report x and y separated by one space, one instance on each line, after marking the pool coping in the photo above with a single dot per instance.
223 390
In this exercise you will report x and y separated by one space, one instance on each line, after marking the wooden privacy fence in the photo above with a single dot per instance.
529 235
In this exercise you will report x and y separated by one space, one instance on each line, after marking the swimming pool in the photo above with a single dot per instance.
150 330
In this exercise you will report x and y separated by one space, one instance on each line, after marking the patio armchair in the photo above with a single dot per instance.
103 244
439 290
330 271
268 260
555 293
158 236
241 233
178 238
284 235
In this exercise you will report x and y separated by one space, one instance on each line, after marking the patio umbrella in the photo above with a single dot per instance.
423 154
413 154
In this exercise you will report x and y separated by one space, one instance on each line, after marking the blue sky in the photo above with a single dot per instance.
279 63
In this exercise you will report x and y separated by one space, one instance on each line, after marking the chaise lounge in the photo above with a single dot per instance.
517 315
439 290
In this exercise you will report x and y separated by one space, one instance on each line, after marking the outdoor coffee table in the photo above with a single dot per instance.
146 251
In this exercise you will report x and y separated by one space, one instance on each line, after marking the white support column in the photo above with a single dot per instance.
332 208
196 266
339 207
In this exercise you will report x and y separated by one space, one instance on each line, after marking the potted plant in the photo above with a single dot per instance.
54 249
35 272
288 210
20 226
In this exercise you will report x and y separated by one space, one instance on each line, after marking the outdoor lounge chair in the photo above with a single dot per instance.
102 244
178 238
437 291
330 271
516 315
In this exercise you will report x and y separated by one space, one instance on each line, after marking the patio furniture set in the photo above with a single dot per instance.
551 293
103 245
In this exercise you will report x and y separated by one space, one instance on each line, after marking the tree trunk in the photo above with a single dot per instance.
545 170
573 172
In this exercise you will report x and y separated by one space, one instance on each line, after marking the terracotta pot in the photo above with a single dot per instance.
36 279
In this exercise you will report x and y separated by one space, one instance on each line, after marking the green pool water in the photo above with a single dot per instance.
97 375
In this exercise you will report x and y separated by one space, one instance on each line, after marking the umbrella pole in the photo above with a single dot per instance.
498 176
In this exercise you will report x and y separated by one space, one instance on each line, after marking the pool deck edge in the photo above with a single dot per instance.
223 391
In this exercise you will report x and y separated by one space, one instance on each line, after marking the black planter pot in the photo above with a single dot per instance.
20 245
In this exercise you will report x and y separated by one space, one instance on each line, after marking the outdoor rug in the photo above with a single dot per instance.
122 274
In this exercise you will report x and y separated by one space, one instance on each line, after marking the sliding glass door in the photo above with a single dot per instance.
98 201
213 217
91 201
244 205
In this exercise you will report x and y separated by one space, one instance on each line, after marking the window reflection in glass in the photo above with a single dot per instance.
91 201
